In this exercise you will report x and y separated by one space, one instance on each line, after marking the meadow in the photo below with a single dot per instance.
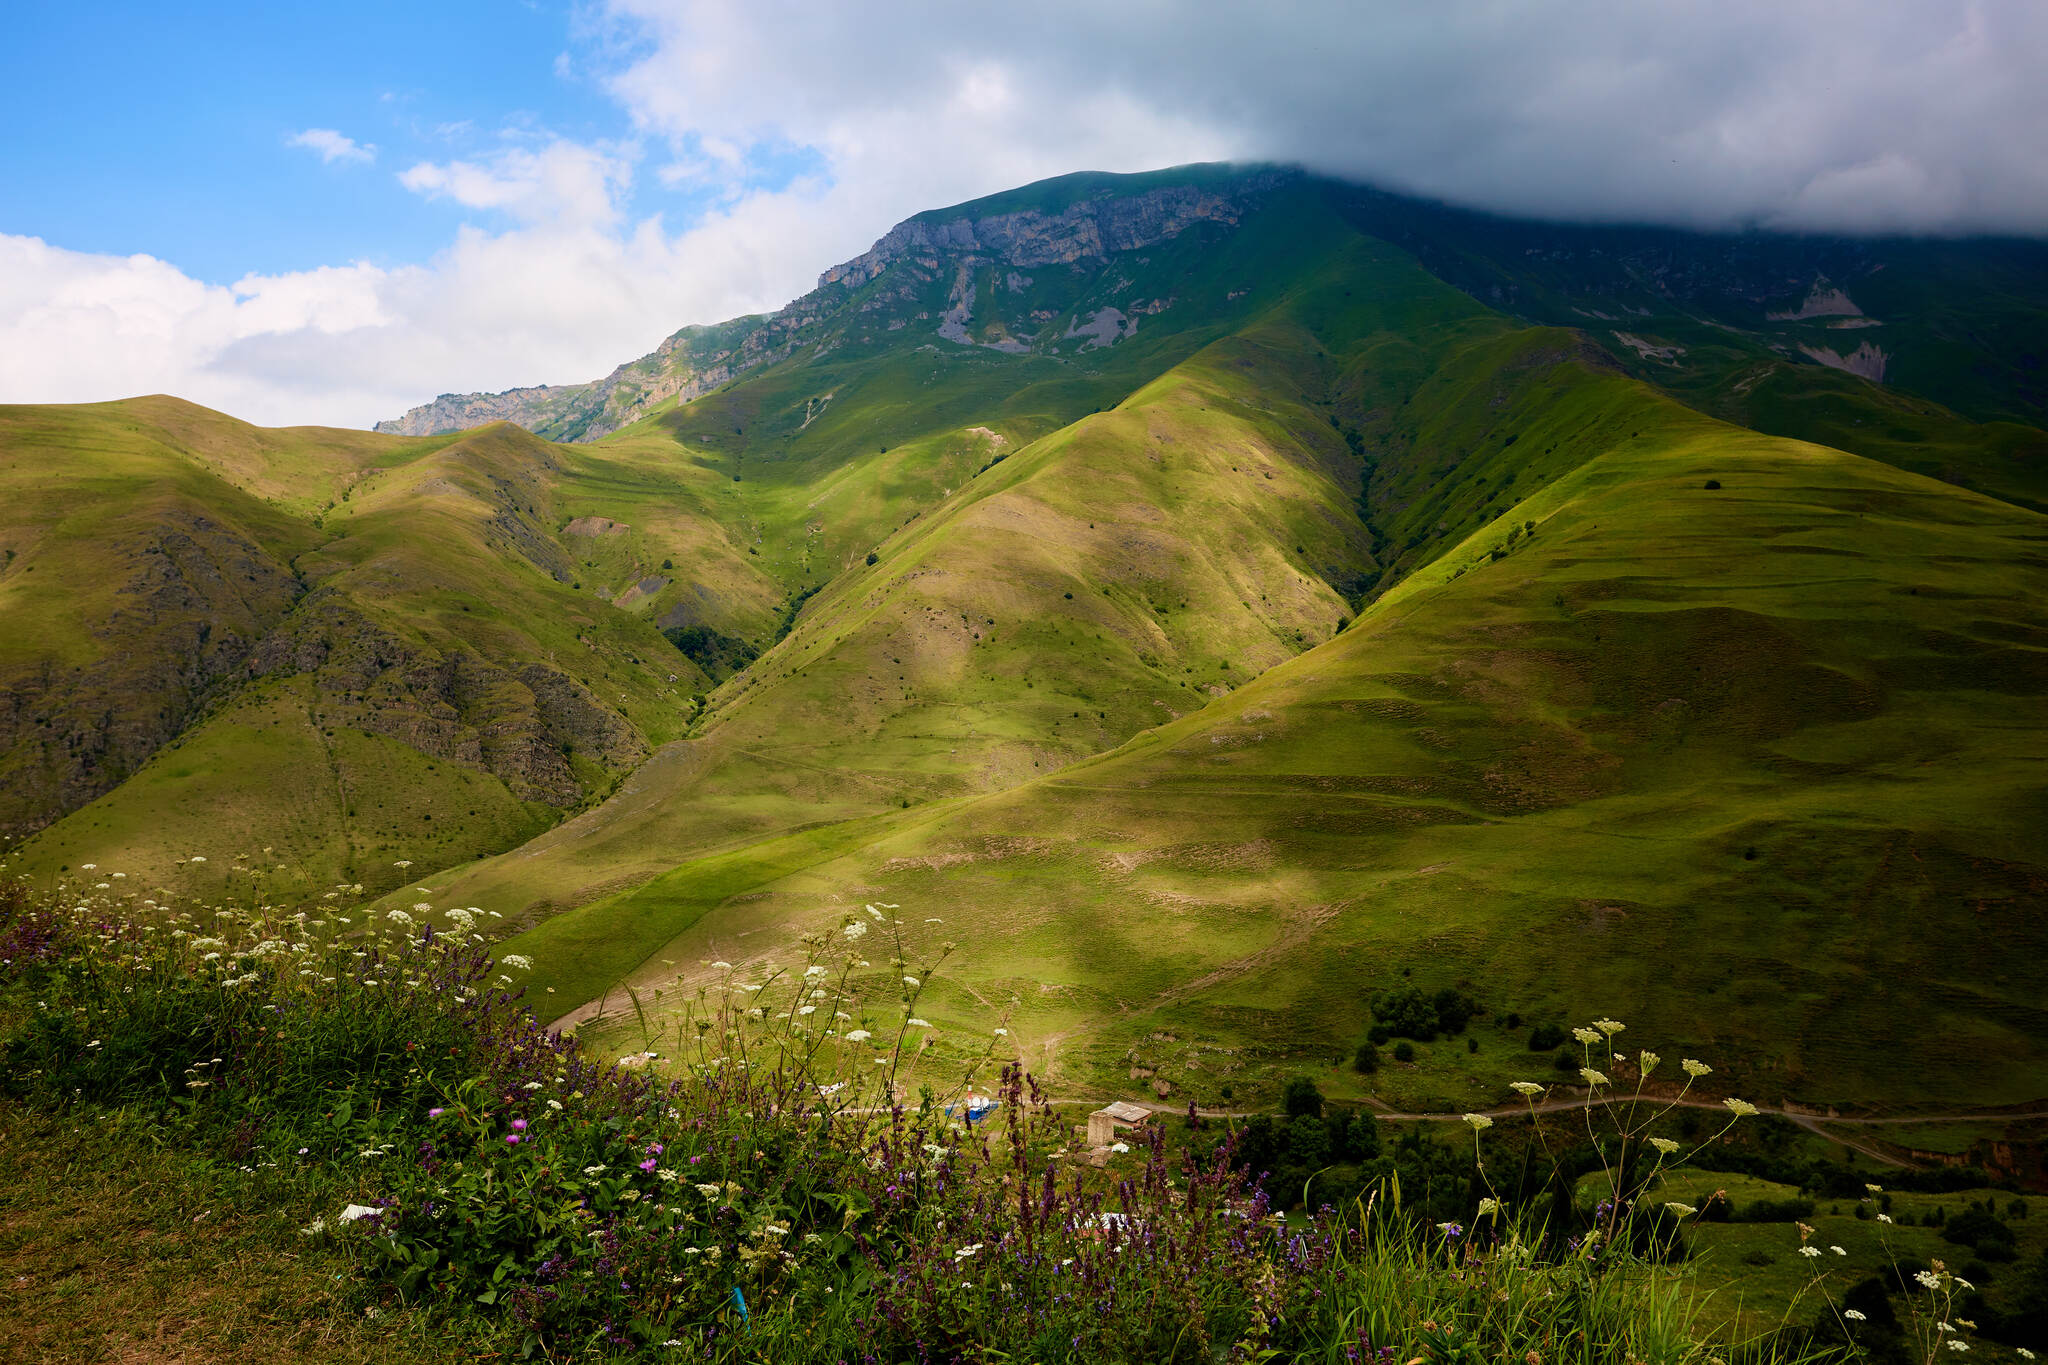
785 1176
1207 651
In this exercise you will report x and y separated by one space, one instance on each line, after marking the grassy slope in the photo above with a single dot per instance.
134 577
1542 777
425 551
1960 322
1204 520
429 682
819 489
1109 576
117 1247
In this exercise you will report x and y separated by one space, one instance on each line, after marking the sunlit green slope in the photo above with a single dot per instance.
1113 574
1758 767
351 649
1211 595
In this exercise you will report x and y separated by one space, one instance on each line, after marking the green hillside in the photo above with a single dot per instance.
1211 598
404 668
1774 744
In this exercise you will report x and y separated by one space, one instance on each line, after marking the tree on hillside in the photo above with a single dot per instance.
1301 1097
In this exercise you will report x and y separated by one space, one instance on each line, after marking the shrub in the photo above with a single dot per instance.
1301 1097
1308 1144
1366 1060
771 1193
1405 1013
1409 1012
1454 1009
1404 1051
1544 1037
1772 1211
1361 1137
1977 1229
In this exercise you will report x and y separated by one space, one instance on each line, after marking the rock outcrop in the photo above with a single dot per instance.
518 722
1093 228
693 362
697 360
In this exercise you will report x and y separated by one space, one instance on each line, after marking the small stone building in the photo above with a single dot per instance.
1108 1123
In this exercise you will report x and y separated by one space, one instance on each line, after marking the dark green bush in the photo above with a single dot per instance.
1300 1097
1410 1012
1978 1229
1772 1211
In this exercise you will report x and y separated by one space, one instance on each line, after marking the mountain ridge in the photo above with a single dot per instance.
1718 319
1209 623
697 359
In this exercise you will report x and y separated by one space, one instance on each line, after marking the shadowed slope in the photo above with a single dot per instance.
1105 578
413 673
1775 746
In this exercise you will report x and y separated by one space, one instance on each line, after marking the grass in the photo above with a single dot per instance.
1544 777
118 1245
324 1135
1331 625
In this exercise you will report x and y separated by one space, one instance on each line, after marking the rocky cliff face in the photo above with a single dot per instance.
697 360
692 362
1093 228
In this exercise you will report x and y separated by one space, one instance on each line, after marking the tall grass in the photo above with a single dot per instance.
778 1178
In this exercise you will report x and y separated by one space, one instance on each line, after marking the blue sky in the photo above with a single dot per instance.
331 213
164 129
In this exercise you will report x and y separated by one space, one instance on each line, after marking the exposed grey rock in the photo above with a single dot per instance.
697 360
1092 228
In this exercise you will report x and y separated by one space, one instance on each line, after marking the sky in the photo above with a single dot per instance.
328 214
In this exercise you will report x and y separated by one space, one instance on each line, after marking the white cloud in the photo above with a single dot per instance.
570 289
1912 115
561 182
571 286
333 146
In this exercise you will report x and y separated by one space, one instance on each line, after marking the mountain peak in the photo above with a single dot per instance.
1068 218
1089 216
